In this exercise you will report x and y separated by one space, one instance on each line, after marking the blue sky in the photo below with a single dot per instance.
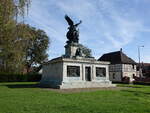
107 26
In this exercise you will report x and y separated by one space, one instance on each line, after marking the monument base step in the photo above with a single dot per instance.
71 85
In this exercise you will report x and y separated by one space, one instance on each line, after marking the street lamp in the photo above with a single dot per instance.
139 56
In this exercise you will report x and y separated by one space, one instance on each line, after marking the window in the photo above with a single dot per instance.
100 72
133 76
132 66
73 71
113 75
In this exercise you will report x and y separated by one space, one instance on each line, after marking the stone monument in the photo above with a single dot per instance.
75 69
72 48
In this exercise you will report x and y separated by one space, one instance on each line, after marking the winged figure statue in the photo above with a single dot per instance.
73 33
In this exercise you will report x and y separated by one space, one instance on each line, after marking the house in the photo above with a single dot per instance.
120 66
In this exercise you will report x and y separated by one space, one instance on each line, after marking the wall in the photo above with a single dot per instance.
55 73
117 71
82 72
52 73
117 77
129 70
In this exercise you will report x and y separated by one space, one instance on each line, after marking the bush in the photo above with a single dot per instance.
141 83
12 77
126 80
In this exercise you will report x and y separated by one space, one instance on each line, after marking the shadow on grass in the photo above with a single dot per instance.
136 92
23 85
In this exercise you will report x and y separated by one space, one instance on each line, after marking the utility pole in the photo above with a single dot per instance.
139 56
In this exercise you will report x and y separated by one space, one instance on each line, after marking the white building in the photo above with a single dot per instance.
120 66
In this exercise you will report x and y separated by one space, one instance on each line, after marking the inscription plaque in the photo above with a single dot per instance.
100 72
73 71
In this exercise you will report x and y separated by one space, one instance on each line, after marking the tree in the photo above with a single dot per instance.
36 48
10 52
20 45
85 51
9 12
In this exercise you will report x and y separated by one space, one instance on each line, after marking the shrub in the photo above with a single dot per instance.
142 81
13 77
126 80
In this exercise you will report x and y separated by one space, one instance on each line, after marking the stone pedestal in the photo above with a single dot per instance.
75 70
70 50
65 73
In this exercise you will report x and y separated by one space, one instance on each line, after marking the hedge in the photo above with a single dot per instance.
141 83
12 77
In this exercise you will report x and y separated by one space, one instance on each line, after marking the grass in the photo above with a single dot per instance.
26 97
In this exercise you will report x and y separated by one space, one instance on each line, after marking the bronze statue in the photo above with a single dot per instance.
73 33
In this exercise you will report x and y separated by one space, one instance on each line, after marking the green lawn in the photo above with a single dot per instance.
25 97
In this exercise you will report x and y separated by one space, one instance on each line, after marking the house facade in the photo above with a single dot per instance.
120 66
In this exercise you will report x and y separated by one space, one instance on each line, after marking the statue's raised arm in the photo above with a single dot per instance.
78 23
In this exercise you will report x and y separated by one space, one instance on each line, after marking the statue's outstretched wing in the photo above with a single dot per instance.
70 22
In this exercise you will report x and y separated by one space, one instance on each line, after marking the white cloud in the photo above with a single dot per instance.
119 30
